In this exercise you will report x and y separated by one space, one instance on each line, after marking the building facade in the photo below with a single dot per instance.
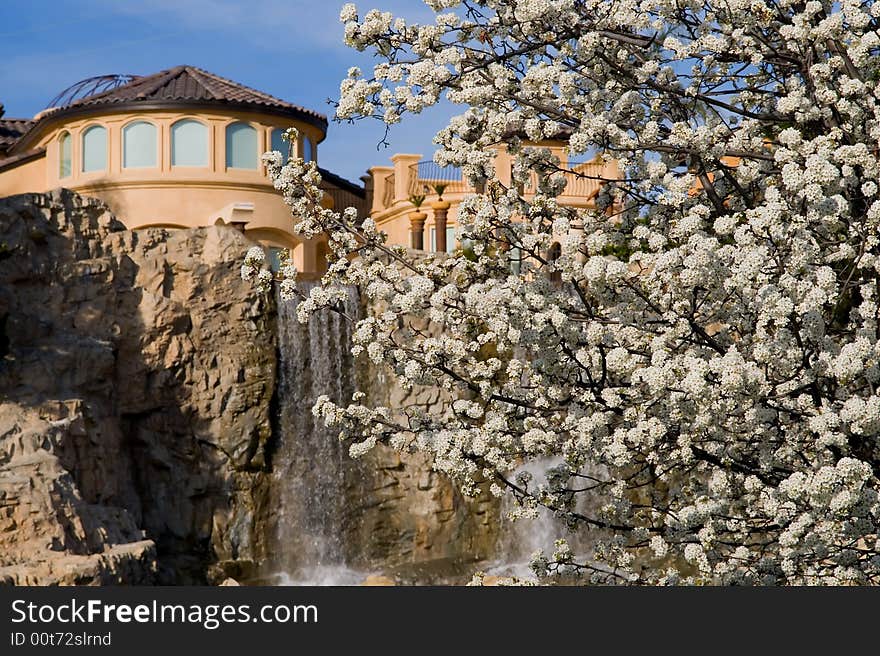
432 226
177 149
182 148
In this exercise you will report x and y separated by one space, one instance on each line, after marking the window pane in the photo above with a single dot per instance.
280 144
241 146
94 143
553 255
139 145
189 143
515 258
64 167
450 239
307 149
275 258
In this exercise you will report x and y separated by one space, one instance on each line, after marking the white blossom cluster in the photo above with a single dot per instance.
252 269
707 340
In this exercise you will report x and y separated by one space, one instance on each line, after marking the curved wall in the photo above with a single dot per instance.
167 193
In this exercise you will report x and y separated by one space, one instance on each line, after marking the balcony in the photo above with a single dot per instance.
410 176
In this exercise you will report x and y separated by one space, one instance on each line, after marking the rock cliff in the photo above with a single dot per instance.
414 520
136 376
139 421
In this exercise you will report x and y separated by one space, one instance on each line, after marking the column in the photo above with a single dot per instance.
441 208
417 230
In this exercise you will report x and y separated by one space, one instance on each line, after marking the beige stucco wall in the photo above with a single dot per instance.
28 176
166 195
175 196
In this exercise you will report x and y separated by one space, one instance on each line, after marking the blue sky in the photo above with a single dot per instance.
290 48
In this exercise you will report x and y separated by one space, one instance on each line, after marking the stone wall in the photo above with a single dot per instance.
136 374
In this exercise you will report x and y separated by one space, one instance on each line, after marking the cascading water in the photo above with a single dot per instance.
316 495
519 539
312 471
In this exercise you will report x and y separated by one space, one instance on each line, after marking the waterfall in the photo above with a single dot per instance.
319 496
519 539
312 471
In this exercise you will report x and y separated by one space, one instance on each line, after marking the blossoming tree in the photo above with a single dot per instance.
707 373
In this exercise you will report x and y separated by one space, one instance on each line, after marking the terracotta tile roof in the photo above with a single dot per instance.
342 183
181 85
11 130
188 84
21 158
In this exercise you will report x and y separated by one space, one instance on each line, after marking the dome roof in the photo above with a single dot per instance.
182 87
191 85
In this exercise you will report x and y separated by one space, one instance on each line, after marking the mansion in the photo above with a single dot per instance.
181 148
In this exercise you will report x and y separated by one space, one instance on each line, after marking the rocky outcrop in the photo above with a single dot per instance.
136 377
409 513
417 520
139 417
48 532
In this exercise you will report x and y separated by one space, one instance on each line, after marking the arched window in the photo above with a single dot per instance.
279 144
553 254
241 146
189 143
64 143
139 145
94 149
308 149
